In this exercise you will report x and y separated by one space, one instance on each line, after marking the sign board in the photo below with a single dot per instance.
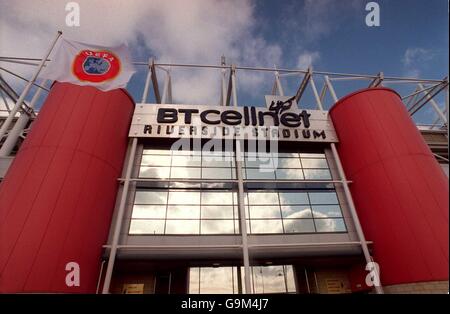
278 122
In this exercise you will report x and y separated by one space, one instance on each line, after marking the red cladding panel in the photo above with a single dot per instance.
57 199
399 189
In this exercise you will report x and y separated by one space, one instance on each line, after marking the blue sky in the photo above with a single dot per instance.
412 39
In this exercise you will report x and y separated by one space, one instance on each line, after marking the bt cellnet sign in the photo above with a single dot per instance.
198 121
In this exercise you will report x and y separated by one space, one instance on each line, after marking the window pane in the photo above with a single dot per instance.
287 198
149 211
298 225
312 155
302 211
314 163
185 173
260 174
188 161
217 163
216 173
269 279
323 198
186 152
182 226
324 211
216 280
264 212
217 227
217 198
146 226
194 280
263 198
219 211
317 174
290 279
154 172
156 152
330 225
189 198
216 160
155 160
183 211
289 174
287 163
257 161
150 197
291 155
266 226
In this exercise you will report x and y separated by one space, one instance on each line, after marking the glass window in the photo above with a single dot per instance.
185 173
264 212
216 163
218 211
272 279
139 226
216 173
182 226
288 198
263 198
194 280
216 160
257 161
312 155
218 280
155 160
183 211
217 198
217 226
260 174
296 211
156 152
317 174
298 225
330 225
287 163
186 161
149 211
314 163
266 226
150 197
189 198
323 198
154 172
186 152
289 174
324 211
290 155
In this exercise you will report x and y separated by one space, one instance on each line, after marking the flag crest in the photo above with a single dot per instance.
83 64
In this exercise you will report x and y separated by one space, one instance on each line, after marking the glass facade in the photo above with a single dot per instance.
166 164
230 280
214 209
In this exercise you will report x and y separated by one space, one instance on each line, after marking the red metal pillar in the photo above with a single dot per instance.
399 189
57 198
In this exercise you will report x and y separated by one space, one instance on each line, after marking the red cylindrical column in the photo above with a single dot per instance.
400 191
57 198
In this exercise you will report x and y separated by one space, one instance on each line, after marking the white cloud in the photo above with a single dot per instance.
414 55
307 59
197 31
414 59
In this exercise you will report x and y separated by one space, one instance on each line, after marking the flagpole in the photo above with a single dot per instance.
5 126
14 133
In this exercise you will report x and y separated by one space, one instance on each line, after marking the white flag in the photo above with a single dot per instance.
84 64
